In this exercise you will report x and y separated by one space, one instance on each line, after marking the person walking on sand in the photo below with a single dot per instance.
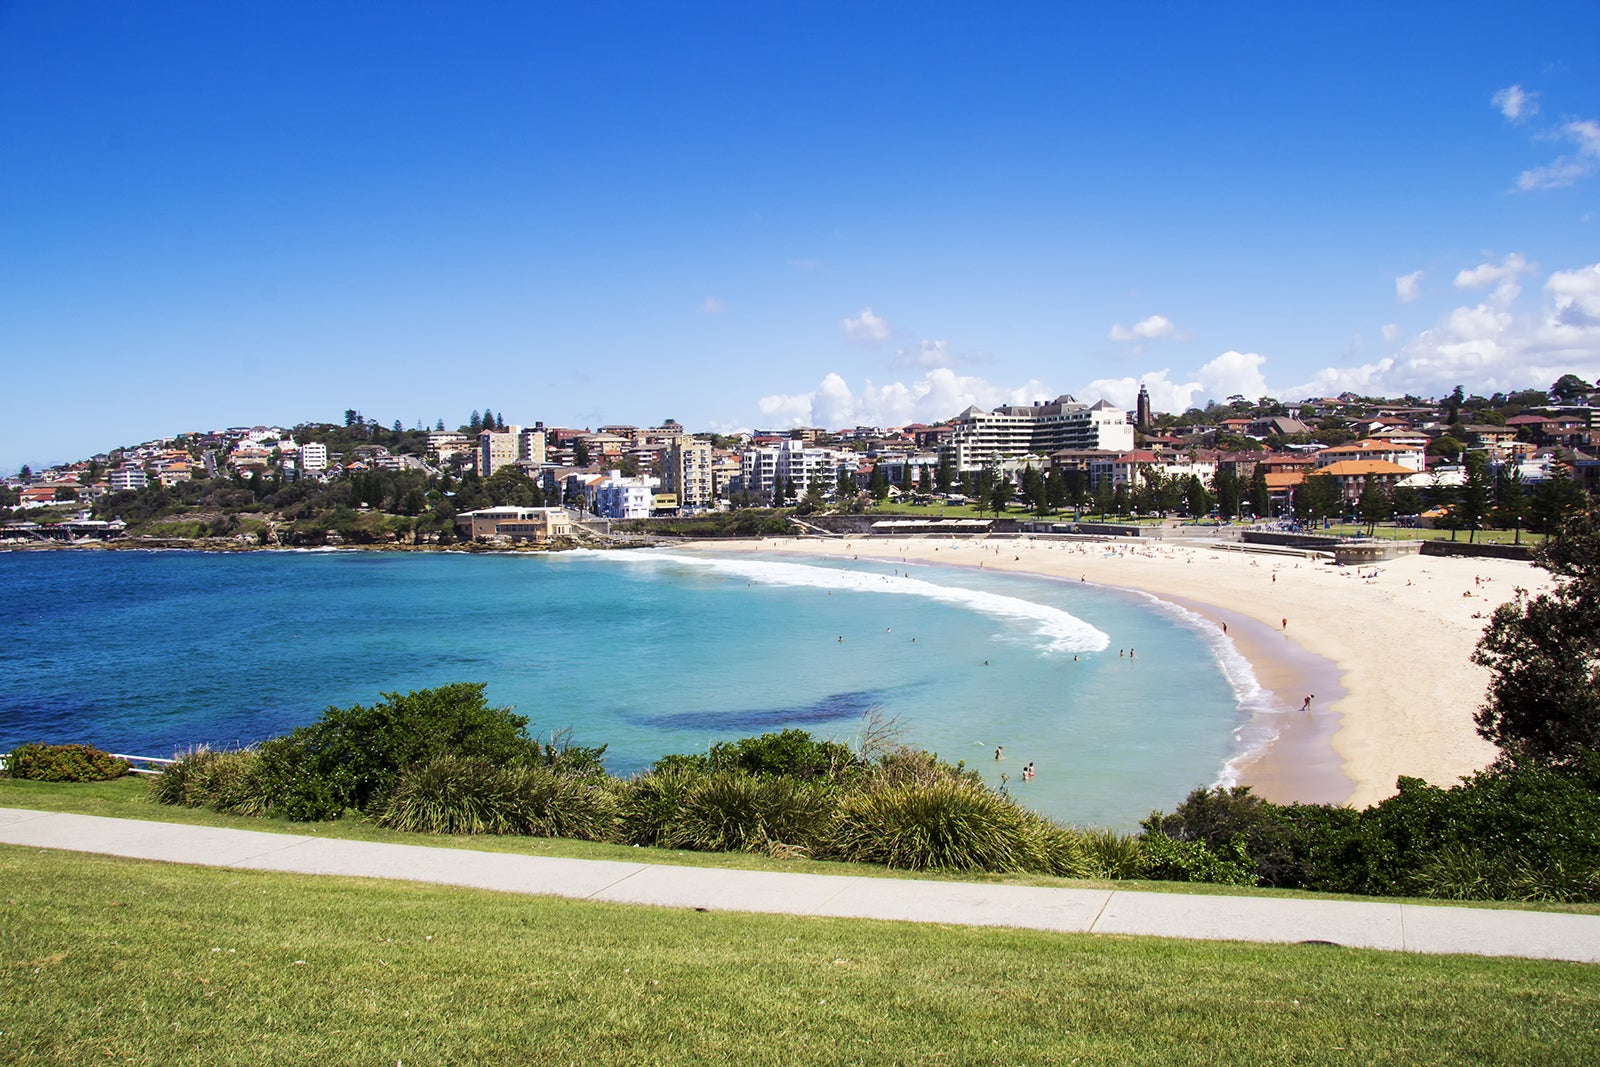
1307 705
1286 624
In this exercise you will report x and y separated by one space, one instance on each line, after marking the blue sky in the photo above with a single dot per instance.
762 215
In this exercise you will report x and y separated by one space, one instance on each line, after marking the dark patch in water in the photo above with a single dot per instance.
831 708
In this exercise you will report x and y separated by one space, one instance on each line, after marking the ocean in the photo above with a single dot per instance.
648 651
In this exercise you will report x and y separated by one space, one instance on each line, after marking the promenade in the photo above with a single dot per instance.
1356 924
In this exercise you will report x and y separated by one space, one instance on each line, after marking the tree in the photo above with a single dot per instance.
1543 655
845 484
1452 406
1316 498
1230 494
510 486
1446 446
1570 387
352 417
1195 497
1556 497
1472 506
878 483
1511 499
475 424
945 477
1055 489
580 452
1374 505
999 495
1260 493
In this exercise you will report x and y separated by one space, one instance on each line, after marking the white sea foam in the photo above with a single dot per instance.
1258 710
1057 631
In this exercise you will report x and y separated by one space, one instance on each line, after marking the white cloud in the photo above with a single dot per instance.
1515 103
866 327
1513 266
1566 170
712 306
1228 374
1407 287
1390 332
925 354
1234 372
1156 326
936 396
1492 346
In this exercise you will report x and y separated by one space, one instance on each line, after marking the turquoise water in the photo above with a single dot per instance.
649 652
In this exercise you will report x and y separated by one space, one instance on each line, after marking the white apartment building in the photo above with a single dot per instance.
763 469
624 498
978 438
313 457
127 478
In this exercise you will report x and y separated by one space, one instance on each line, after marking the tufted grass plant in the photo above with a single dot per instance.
207 778
733 812
948 824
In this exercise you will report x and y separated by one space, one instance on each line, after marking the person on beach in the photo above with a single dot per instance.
1000 752
1286 624
1306 706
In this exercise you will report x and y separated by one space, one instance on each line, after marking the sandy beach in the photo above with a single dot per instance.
1385 648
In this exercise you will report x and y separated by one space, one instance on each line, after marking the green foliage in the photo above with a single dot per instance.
1524 833
1543 655
351 756
460 795
950 824
1111 855
732 812
64 763
206 778
1169 860
790 753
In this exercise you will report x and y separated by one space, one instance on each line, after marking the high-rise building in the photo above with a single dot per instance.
686 471
1141 417
978 438
498 448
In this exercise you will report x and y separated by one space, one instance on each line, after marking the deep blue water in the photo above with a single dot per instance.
648 652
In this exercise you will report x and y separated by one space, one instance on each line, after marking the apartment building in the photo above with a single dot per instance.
686 472
788 462
979 438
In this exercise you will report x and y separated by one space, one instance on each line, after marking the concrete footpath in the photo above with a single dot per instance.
1357 924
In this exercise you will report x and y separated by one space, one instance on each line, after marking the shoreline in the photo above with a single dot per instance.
1386 647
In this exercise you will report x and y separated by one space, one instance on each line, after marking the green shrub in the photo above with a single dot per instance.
289 781
652 804
732 812
1061 849
450 795
553 804
1169 860
949 824
351 756
457 795
1110 855
788 753
203 778
64 763
914 766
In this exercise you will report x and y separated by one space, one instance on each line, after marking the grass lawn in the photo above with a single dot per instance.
114 960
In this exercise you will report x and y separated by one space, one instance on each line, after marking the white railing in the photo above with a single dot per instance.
142 764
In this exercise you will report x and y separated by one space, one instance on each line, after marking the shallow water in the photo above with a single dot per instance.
649 652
